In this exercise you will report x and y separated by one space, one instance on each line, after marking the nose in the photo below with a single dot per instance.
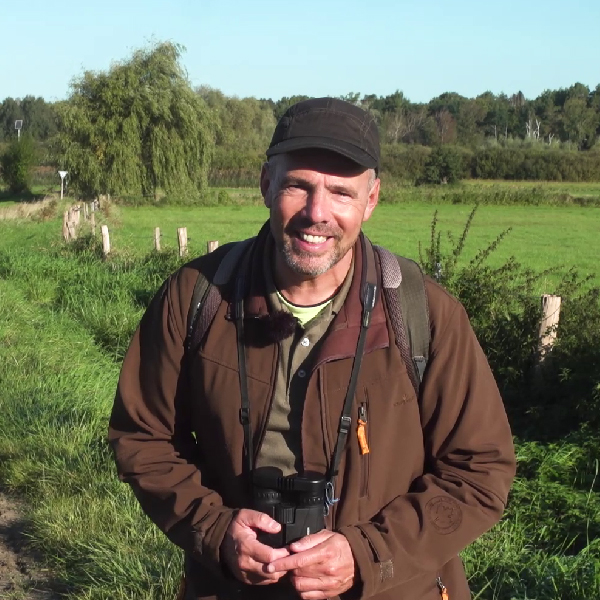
318 205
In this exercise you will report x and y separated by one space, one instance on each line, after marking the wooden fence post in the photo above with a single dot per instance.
93 222
157 239
182 238
548 325
72 225
212 245
65 229
105 240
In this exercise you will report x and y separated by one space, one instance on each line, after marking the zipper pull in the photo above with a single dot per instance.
443 591
361 430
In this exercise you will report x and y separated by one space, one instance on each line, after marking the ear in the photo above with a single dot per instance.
265 183
372 200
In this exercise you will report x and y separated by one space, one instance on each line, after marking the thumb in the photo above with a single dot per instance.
258 520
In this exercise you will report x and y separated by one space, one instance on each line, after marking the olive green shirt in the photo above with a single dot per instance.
282 446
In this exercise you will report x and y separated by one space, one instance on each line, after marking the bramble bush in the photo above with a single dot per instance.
563 395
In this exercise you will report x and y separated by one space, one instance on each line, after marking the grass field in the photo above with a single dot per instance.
541 237
65 320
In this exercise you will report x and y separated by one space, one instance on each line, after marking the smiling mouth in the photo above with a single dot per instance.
312 239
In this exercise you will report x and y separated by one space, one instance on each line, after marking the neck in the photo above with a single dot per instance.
302 290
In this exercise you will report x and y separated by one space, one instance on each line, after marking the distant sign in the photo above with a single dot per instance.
19 124
63 174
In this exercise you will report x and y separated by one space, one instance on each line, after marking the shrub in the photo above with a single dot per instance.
444 165
17 163
546 402
402 162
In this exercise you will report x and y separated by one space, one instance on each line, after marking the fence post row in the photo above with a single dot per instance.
550 304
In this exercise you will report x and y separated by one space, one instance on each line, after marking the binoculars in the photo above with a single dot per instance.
297 502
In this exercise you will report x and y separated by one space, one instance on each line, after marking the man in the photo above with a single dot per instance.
301 336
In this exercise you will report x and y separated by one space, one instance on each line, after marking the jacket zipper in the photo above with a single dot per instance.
443 591
363 439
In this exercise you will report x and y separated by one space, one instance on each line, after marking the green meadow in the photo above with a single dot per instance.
66 316
540 237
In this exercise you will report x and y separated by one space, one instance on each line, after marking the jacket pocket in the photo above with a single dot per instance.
363 441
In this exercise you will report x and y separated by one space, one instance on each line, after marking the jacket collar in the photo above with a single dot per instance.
342 336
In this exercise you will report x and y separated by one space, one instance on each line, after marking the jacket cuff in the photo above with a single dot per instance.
373 561
207 542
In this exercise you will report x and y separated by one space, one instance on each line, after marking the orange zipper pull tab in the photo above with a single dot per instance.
361 430
443 591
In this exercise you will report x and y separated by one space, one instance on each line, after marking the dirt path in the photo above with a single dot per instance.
21 577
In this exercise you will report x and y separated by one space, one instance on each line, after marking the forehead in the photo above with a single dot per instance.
319 161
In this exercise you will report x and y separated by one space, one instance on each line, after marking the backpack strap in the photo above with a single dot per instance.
404 292
206 296
403 288
413 300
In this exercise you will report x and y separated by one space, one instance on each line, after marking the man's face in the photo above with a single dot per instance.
318 201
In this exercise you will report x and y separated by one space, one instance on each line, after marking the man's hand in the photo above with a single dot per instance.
244 555
321 565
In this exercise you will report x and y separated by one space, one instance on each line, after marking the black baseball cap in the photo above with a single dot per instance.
330 124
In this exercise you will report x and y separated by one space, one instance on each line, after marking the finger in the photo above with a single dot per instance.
264 554
297 561
310 584
257 520
316 595
319 587
254 579
310 541
255 573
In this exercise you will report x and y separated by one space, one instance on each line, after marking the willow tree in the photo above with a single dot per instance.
138 129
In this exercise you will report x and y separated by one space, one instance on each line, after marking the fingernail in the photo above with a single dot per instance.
270 569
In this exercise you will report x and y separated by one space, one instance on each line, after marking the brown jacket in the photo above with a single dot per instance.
437 475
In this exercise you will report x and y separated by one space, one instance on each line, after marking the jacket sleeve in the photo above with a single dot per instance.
470 464
150 434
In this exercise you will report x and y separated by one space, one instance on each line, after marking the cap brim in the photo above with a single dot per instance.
303 143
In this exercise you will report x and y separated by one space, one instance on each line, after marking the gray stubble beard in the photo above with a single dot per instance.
294 259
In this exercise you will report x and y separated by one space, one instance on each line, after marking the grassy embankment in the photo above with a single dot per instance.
65 319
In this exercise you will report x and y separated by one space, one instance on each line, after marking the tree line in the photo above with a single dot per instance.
139 128
567 115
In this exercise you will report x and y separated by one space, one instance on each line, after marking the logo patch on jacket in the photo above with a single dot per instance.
444 513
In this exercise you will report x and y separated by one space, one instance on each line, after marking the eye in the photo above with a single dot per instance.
343 195
293 187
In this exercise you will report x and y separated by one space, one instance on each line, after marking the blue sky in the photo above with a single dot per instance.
272 49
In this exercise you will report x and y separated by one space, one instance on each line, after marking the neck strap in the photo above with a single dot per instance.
368 298
369 292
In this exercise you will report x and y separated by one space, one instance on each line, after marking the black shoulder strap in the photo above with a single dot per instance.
207 297
406 298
